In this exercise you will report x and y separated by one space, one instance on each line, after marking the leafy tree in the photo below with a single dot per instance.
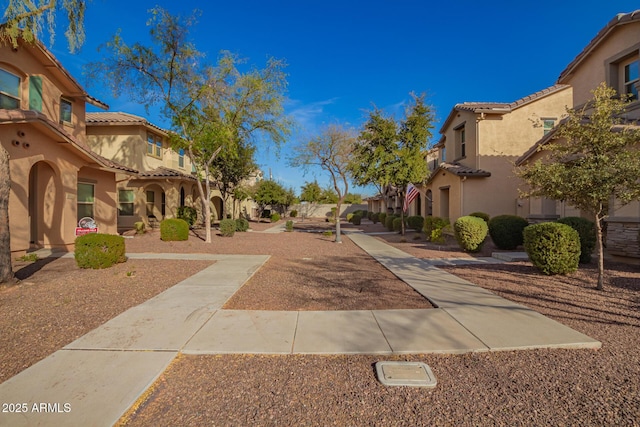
392 153
211 109
25 19
311 192
268 193
592 159
331 150
329 196
230 168
353 199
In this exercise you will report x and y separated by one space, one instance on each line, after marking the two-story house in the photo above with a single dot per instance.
479 143
612 56
58 185
165 180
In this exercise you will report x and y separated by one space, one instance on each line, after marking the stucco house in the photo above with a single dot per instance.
472 166
56 180
612 56
166 177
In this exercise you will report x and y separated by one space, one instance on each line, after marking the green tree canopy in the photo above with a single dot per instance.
392 153
311 192
592 159
269 193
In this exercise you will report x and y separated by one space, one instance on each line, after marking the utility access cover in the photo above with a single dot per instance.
413 374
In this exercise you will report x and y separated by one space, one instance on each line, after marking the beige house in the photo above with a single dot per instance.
472 166
166 178
613 56
59 187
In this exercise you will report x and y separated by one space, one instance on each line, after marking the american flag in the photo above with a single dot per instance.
412 193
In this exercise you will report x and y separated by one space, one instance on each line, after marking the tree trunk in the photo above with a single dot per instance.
6 272
600 285
338 237
207 209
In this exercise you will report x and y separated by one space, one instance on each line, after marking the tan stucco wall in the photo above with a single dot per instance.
59 168
493 143
592 70
24 63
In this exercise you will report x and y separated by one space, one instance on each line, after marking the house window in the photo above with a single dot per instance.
443 151
86 200
151 199
631 79
65 111
181 158
547 125
125 202
463 143
9 90
154 145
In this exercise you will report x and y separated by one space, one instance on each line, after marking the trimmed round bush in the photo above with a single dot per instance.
397 224
552 247
388 222
349 217
97 250
415 222
356 220
172 229
470 232
227 227
506 231
382 217
375 217
433 227
482 215
275 217
587 231
242 225
288 226
293 213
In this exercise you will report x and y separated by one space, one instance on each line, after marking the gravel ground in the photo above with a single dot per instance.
535 387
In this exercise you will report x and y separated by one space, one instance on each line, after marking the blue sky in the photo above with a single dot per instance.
345 56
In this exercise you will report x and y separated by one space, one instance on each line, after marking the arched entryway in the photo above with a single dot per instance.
217 208
45 206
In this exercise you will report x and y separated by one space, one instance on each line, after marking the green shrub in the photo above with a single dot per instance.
356 220
188 214
587 231
388 222
482 215
174 229
552 247
382 217
470 232
349 217
370 215
140 227
275 217
397 224
288 226
293 213
434 227
506 231
415 222
95 250
327 233
227 227
242 225
375 217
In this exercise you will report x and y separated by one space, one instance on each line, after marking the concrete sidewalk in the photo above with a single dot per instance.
95 379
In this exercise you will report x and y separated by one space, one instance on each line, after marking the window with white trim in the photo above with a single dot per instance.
9 90
630 79
125 202
181 158
547 125
154 145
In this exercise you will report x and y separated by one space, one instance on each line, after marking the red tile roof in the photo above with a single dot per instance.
119 118
459 170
